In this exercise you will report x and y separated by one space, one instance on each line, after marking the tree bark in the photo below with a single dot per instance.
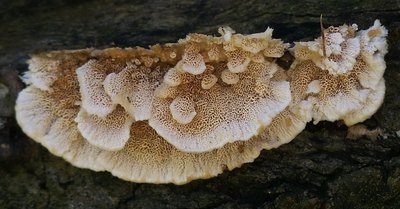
319 169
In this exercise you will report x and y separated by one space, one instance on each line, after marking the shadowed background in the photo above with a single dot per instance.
319 169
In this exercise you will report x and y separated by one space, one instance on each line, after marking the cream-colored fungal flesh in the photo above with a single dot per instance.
149 158
94 98
369 107
48 116
46 68
133 88
189 110
344 81
231 98
108 133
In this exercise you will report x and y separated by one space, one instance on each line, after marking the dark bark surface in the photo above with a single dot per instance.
318 169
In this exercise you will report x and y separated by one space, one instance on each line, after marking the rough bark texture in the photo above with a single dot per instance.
319 169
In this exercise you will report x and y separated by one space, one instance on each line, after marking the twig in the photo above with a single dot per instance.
322 35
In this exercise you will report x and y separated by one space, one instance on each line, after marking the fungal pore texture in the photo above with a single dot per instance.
190 110
347 83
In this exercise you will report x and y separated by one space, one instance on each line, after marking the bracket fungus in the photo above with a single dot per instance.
147 157
347 84
192 109
243 99
133 88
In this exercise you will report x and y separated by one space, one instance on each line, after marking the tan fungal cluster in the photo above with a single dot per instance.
347 83
190 110
206 102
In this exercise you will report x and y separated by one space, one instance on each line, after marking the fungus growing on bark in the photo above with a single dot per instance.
228 77
46 68
48 116
284 127
108 133
219 102
348 77
91 77
192 62
133 88
373 50
190 110
208 81
49 120
291 121
34 112
147 157
237 60
371 105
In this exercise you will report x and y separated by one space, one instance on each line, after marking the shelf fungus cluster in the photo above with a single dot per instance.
190 110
